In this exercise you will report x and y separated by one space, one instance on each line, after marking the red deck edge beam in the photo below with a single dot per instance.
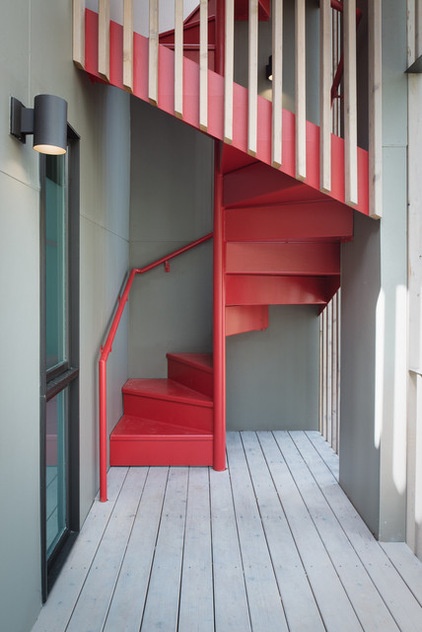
107 348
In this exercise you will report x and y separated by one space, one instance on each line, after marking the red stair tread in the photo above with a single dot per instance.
163 388
132 427
201 361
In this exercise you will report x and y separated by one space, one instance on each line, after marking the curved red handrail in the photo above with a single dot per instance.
107 348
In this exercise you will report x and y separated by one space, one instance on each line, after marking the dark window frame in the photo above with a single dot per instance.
66 374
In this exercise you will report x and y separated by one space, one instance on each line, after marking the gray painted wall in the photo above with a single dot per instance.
359 453
171 205
373 410
272 376
35 57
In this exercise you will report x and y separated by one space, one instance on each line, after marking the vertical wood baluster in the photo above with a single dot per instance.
300 89
153 52
277 83
253 77
104 38
325 95
79 33
228 71
178 58
128 44
203 65
350 107
375 108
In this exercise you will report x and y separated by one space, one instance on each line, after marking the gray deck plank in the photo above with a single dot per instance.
336 610
162 605
404 608
196 599
298 600
56 613
129 597
92 606
270 544
230 598
364 597
265 606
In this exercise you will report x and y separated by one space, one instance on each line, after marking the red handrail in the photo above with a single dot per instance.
107 348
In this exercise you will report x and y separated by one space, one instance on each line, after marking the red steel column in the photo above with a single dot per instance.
219 351
219 319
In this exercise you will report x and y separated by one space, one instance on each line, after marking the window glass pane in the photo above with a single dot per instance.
56 469
56 261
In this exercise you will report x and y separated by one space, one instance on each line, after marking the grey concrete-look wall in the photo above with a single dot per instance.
373 410
36 57
272 376
171 205
359 452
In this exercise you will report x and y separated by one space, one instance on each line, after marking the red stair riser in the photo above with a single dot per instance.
278 290
195 377
299 222
283 258
157 451
243 318
186 415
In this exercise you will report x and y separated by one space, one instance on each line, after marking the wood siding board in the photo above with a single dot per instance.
253 77
350 104
178 59
153 48
228 71
277 84
300 88
203 66
128 44
325 94
78 33
375 106
104 38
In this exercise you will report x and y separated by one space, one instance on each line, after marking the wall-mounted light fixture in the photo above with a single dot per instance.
269 68
47 121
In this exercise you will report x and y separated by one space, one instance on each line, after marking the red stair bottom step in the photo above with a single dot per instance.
137 441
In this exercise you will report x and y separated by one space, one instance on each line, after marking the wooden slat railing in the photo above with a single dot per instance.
328 167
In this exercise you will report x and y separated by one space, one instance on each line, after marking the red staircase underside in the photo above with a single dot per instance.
215 116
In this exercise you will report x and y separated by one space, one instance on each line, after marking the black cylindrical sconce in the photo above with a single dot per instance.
47 121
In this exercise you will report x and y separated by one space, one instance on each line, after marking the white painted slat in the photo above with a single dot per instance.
350 103
153 52
295 591
104 38
404 608
253 77
265 607
178 58
365 599
129 597
375 107
329 368
161 614
128 44
203 65
228 71
79 33
94 601
230 598
335 608
196 602
277 84
300 88
325 94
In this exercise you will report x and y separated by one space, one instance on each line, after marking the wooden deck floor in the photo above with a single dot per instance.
272 544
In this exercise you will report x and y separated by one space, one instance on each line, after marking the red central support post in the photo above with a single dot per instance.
219 351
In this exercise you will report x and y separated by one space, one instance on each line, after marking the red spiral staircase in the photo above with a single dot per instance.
280 245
